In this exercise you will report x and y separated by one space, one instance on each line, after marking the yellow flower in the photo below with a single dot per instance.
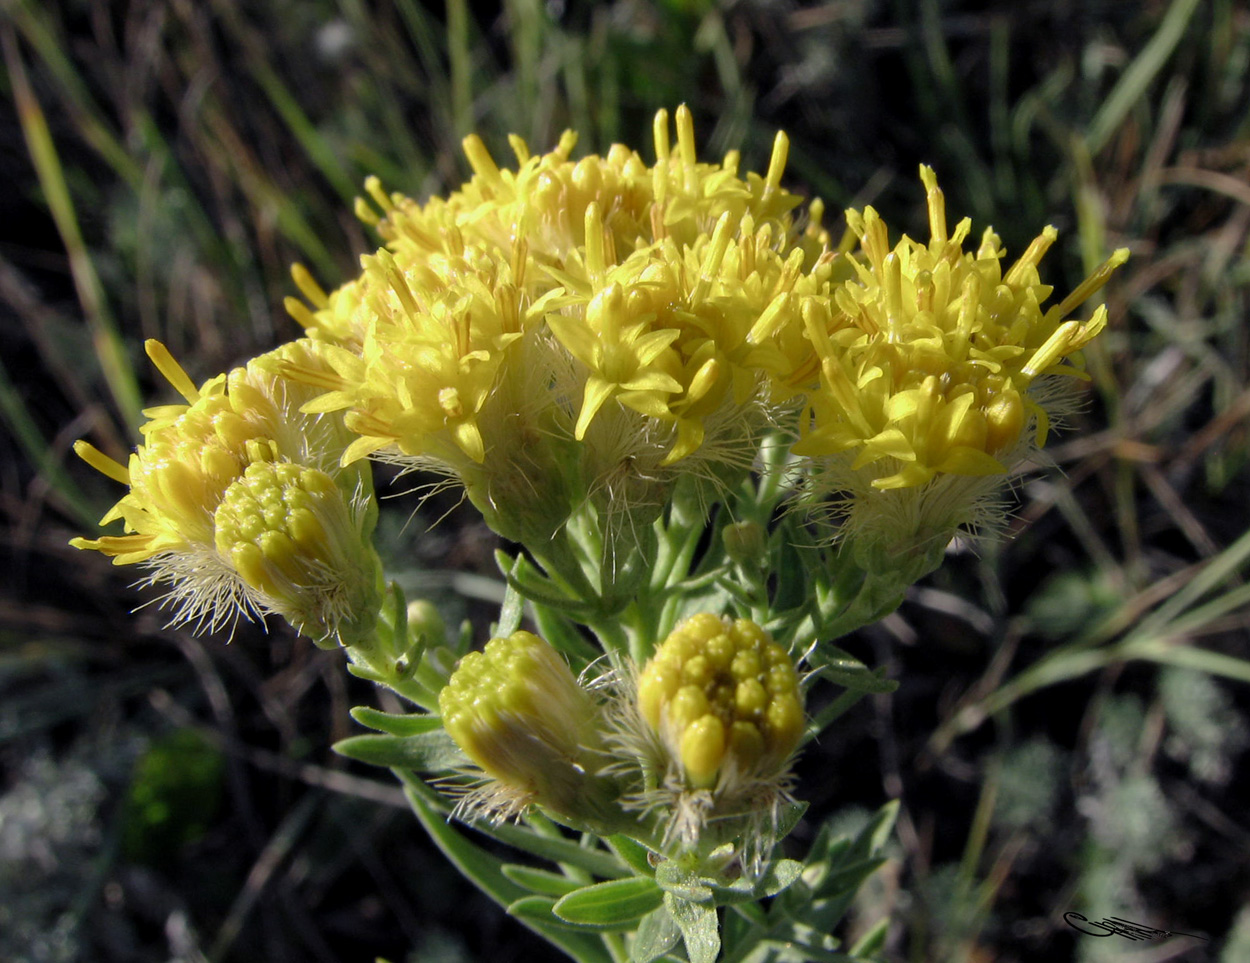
339 317
192 454
939 372
438 334
938 362
674 292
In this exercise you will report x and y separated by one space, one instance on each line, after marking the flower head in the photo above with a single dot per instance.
522 718
724 699
296 542
665 298
194 454
938 364
717 717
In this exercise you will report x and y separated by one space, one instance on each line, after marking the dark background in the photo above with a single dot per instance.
164 797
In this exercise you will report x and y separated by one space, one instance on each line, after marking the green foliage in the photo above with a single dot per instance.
175 792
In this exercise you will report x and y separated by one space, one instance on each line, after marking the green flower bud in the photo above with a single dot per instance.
746 542
298 544
519 714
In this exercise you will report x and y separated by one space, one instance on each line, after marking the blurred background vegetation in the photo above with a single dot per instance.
1072 723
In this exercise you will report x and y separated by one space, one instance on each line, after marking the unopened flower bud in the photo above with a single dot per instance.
746 542
425 623
724 699
519 714
297 541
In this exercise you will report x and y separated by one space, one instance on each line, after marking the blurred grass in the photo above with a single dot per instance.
169 160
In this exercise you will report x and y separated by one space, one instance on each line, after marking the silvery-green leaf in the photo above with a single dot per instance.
408 724
656 934
433 751
539 880
700 927
844 669
682 882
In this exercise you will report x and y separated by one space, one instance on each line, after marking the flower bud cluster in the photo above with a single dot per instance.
705 732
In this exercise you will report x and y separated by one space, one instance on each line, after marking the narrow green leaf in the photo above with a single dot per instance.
485 872
511 610
779 876
1134 83
844 669
540 910
882 825
700 928
872 942
409 724
790 815
633 852
846 879
540 881
593 861
612 903
427 752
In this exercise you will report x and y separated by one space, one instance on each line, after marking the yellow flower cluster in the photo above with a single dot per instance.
598 327
584 325
588 332
930 368
186 516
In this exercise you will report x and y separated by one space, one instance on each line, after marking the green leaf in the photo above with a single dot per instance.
511 610
779 876
634 853
540 910
564 635
410 724
791 813
844 669
872 942
540 880
654 937
683 883
700 928
878 831
847 878
612 903
428 751
558 850
485 871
